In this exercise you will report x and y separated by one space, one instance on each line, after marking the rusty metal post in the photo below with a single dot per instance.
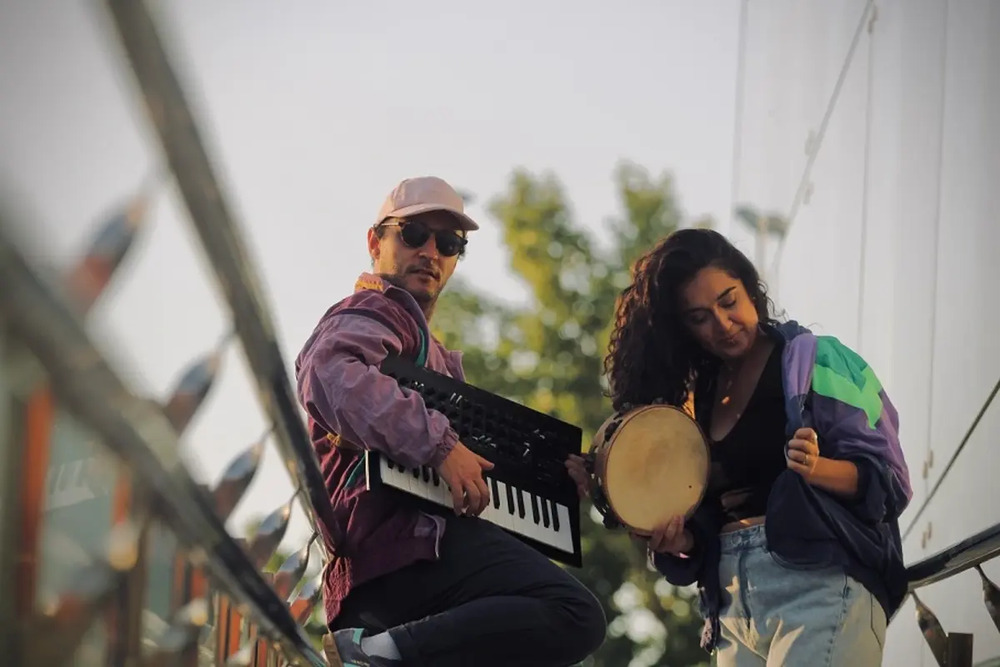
959 649
11 451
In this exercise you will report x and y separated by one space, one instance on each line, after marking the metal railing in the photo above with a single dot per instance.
954 649
156 578
222 243
140 435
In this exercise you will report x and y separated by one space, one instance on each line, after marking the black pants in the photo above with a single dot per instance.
489 600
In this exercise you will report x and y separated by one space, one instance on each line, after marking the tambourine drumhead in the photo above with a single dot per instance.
655 467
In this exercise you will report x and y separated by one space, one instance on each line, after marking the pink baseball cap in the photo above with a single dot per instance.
423 194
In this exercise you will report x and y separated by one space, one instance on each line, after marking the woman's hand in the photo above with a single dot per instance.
671 538
577 469
803 452
834 475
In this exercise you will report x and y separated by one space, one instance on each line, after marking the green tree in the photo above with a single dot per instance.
548 354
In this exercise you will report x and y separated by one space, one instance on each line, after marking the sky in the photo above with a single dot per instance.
312 112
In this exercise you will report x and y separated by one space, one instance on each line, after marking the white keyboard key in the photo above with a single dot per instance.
499 515
564 538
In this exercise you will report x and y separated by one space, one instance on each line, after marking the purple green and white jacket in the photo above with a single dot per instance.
831 389
351 407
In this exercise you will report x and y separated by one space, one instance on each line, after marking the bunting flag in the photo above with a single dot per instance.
88 279
193 387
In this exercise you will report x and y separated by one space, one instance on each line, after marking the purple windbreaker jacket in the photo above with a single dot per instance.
352 407
830 388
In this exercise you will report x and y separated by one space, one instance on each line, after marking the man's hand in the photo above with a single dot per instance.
463 471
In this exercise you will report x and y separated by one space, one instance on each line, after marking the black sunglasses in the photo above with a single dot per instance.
415 234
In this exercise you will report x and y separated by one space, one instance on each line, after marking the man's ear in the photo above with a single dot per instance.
374 245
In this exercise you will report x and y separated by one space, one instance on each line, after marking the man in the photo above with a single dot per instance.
407 587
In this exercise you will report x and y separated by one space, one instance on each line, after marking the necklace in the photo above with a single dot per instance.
725 393
733 370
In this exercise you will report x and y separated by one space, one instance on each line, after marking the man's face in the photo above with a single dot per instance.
422 270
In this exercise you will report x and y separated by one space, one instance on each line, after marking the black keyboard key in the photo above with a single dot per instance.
520 503
510 499
555 517
534 508
416 473
495 492
545 512
426 474
434 478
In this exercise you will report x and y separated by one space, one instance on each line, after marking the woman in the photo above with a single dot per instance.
795 547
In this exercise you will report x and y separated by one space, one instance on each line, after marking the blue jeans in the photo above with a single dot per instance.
773 614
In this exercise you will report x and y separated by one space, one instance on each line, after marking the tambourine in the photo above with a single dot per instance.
648 465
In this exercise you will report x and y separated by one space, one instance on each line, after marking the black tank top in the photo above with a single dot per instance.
750 457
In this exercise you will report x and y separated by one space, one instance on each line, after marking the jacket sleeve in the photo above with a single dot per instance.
857 422
341 388
875 500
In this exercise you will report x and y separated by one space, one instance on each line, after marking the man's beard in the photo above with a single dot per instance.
424 299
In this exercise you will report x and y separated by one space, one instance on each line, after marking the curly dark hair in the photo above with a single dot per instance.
652 357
